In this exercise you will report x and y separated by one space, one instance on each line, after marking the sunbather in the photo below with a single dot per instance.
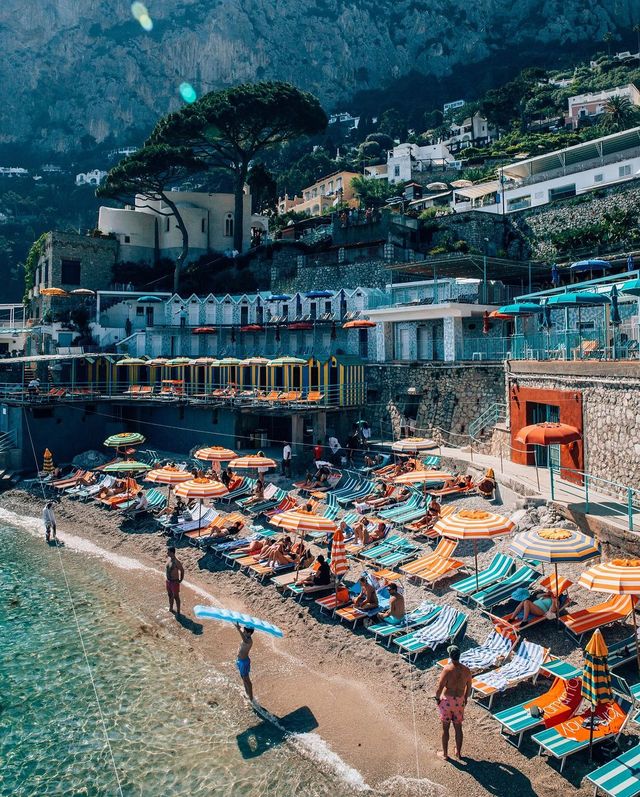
118 486
367 598
394 615
322 576
258 492
544 605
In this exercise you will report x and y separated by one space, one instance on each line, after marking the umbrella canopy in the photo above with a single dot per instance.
126 466
204 331
359 323
252 328
319 295
53 292
253 461
168 475
498 316
149 299
590 265
299 520
230 361
548 434
618 577
124 439
300 325
338 563
178 362
47 461
520 308
413 444
437 186
205 361
255 361
631 287
555 545
461 183
157 362
474 524
596 678
83 292
287 361
131 361
577 299
422 476
201 488
215 454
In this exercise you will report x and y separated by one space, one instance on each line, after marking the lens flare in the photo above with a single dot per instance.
141 14
146 22
187 92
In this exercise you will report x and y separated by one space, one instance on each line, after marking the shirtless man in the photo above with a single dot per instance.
395 613
367 598
455 682
174 572
243 662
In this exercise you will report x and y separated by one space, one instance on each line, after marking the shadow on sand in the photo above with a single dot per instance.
496 778
189 624
273 730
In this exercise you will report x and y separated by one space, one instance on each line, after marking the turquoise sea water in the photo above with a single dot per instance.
174 726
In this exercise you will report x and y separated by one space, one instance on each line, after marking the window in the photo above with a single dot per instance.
244 315
562 192
202 225
313 310
518 203
285 310
70 272
624 171
598 178
228 226
396 171
139 311
327 307
167 224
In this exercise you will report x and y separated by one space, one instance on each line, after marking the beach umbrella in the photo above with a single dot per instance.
474 524
298 326
169 475
520 308
338 563
205 361
631 287
630 263
124 439
157 362
498 316
596 678
215 454
437 186
287 361
617 577
201 488
589 265
253 461
47 461
255 361
555 546
422 476
204 331
178 362
548 433
555 275
58 292
615 310
359 323
149 299
461 183
577 299
131 361
126 466
413 444
299 520
486 326
83 292
279 297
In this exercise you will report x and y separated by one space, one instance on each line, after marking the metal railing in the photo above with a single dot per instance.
493 414
8 440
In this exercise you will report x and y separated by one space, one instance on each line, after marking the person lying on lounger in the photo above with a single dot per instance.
258 492
322 575
367 599
118 487
546 605
395 613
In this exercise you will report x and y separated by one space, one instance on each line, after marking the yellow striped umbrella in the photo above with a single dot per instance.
168 475
617 577
253 461
596 678
215 454
201 488
47 461
419 476
474 524
299 520
411 444
338 564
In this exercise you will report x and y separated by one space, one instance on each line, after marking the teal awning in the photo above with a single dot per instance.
577 300
521 308
631 287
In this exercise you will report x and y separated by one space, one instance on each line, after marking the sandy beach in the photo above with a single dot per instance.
373 708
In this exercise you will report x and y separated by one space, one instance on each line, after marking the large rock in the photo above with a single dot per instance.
89 460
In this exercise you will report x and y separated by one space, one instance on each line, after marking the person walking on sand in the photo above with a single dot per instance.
455 683
286 460
174 572
243 662
49 520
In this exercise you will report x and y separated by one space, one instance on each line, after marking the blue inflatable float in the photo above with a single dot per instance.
227 616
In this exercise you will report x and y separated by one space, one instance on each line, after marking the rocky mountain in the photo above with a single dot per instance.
77 68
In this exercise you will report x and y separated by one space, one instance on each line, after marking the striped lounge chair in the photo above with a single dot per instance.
620 777
436 565
556 705
449 625
501 592
572 735
525 664
418 617
494 651
583 621
501 566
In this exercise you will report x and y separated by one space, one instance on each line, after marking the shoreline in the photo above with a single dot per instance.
373 710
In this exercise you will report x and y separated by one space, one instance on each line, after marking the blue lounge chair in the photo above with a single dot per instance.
246 486
525 665
449 626
359 490
501 566
620 777
501 592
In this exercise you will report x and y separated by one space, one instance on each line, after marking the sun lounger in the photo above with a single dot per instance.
82 490
127 494
246 485
573 735
432 461
299 590
341 597
621 652
501 592
287 503
448 626
559 703
436 565
559 588
179 529
359 491
583 621
495 650
501 566
525 665
70 481
354 614
443 492
414 501
620 777
418 617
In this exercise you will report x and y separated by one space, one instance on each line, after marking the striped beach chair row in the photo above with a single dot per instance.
421 615
525 665
495 649
449 625
583 621
501 566
501 592
620 777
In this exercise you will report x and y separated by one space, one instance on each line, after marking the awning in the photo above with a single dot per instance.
482 189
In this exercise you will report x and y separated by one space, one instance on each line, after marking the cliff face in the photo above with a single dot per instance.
76 67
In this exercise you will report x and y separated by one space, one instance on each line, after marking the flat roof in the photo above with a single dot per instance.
45 358
473 265
481 189
588 150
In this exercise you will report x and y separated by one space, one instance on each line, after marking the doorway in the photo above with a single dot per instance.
545 413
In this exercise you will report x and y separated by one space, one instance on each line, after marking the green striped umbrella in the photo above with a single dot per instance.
596 679
124 439
126 466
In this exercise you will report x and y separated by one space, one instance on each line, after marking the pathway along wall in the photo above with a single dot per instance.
434 395
610 394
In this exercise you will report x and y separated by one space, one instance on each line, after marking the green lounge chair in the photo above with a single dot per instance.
449 625
501 566
419 617
620 777
500 592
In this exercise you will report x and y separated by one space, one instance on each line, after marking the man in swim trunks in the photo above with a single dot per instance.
395 613
455 683
174 572
243 662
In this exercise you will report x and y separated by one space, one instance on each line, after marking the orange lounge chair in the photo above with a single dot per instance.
336 600
427 531
444 491
127 494
435 565
70 481
270 397
313 397
614 610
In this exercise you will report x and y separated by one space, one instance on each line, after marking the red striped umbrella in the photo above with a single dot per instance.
170 475
215 454
253 461
201 488
338 564
299 520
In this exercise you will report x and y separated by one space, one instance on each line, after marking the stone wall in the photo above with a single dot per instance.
293 271
448 397
610 413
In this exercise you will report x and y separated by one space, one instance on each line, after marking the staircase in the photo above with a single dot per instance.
9 455
493 414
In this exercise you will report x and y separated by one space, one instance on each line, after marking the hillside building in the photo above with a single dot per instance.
322 196
587 107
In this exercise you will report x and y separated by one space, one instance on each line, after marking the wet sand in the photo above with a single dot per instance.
373 708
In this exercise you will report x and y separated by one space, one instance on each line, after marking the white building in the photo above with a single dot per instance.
589 106
94 177
569 172
406 159
448 107
345 120
13 171
472 131
148 231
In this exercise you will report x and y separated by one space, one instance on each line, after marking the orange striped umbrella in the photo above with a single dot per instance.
299 520
419 476
338 564
168 475
474 524
215 454
253 461
409 444
201 488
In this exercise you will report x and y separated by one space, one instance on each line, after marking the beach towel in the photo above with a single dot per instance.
494 648
525 664
439 631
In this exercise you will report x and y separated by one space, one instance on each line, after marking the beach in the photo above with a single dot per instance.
375 724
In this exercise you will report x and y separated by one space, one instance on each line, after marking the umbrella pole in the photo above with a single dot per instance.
475 557
200 515
555 569
591 734
635 629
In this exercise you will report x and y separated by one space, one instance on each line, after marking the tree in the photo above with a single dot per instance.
392 124
370 191
607 39
385 141
619 114
263 188
148 175
230 128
